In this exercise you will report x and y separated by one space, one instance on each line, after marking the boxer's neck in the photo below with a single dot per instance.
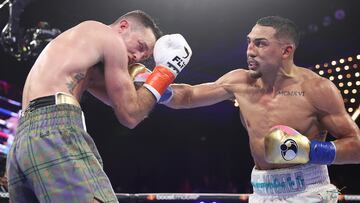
277 80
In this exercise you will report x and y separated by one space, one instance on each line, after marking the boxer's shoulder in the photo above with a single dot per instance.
92 30
308 79
92 24
318 85
236 76
321 92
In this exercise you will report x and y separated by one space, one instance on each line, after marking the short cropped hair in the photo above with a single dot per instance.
144 19
285 28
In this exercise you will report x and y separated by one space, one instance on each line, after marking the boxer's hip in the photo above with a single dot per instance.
289 181
50 112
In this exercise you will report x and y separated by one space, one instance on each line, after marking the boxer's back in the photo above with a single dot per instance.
64 64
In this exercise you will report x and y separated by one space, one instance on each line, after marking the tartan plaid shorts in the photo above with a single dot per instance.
53 159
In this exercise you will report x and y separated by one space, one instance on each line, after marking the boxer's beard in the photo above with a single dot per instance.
255 74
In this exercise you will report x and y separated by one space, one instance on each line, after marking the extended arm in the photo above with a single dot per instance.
188 96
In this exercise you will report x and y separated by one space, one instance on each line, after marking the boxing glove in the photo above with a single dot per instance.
139 74
284 145
171 54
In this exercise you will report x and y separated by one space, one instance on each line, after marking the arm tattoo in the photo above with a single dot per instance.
75 81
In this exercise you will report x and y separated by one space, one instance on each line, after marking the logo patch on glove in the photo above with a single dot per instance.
180 64
187 53
289 149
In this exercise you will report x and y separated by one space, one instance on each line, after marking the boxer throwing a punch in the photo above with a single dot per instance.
276 97
53 159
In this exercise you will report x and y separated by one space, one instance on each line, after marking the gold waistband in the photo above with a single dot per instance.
58 98
63 98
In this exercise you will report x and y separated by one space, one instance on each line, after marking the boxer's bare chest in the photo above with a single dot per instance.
261 110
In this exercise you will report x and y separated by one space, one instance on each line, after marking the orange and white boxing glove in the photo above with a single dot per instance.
285 145
171 54
139 74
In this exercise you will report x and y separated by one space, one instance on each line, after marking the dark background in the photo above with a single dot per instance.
204 149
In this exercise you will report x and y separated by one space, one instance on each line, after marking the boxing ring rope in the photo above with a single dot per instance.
4 3
6 111
4 123
191 197
10 101
198 197
7 127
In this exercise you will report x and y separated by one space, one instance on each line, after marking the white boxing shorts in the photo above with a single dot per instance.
303 183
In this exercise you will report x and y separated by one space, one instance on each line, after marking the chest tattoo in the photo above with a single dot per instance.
291 93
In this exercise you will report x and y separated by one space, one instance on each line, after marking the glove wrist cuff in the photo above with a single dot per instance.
322 152
159 80
166 97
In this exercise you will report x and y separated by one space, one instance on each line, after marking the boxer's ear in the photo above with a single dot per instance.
123 24
288 50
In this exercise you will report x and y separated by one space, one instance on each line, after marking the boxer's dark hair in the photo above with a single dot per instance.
285 28
144 19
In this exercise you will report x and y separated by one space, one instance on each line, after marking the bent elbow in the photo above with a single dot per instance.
130 117
131 123
131 126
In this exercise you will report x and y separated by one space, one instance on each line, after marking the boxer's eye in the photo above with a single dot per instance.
260 43
141 47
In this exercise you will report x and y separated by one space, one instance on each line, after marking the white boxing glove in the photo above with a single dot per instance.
171 54
172 51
